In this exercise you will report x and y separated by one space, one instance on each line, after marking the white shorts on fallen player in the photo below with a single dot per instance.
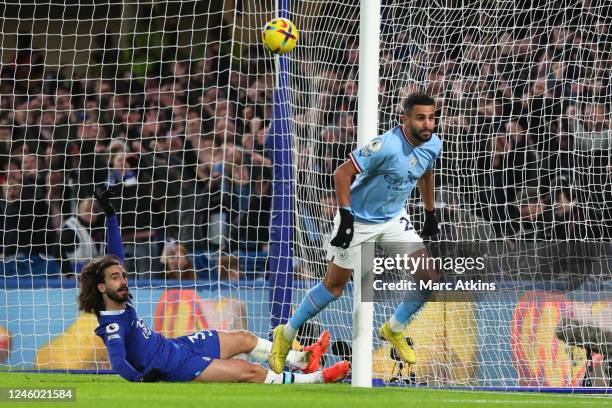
397 232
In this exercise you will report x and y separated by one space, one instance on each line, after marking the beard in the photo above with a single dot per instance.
119 297
423 135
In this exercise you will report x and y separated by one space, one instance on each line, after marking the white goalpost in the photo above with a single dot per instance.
369 40
223 168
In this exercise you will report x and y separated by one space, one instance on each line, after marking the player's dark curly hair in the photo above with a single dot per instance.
417 98
89 298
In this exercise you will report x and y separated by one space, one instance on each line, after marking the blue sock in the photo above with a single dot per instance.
412 303
315 300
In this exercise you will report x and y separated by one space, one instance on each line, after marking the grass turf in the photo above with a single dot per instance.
109 391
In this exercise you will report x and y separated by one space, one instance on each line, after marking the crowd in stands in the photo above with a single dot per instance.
524 113
182 163
525 117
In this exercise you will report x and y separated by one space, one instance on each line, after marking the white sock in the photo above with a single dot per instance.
293 378
297 359
263 348
289 332
273 378
312 378
261 351
396 325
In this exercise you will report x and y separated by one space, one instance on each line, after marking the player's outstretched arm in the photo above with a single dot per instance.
115 245
426 186
113 335
116 356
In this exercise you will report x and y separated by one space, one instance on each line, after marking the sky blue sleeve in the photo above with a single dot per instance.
433 162
114 340
370 156
115 246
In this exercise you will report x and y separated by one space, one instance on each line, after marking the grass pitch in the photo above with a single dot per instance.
109 391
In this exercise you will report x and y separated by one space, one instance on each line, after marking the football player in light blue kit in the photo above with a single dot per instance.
372 208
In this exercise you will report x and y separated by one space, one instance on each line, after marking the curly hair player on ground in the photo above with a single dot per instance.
137 353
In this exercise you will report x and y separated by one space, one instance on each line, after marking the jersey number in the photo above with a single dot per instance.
408 226
199 336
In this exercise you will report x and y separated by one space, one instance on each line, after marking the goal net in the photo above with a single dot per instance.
523 181
207 139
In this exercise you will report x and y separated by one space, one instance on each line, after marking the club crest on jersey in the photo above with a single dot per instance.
374 145
413 161
371 147
112 328
342 254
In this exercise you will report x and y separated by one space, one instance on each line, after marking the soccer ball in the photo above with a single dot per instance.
280 35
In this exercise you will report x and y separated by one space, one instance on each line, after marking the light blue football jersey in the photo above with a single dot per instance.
389 167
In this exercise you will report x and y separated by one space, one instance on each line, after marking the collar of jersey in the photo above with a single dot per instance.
405 137
111 312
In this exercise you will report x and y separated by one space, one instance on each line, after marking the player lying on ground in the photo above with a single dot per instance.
137 353
372 209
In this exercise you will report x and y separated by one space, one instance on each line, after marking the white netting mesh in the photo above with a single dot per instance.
171 102
523 180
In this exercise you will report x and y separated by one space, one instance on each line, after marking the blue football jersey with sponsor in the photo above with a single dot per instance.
389 167
134 350
144 349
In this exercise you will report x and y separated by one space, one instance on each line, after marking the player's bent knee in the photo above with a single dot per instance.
336 278
248 339
244 341
252 373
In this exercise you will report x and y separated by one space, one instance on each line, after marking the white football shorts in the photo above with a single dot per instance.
398 232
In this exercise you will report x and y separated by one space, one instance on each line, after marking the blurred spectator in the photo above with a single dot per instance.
567 218
522 157
59 193
77 247
315 227
229 268
495 189
594 132
255 142
200 222
30 170
534 216
138 208
26 226
87 165
252 230
183 139
121 164
176 262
